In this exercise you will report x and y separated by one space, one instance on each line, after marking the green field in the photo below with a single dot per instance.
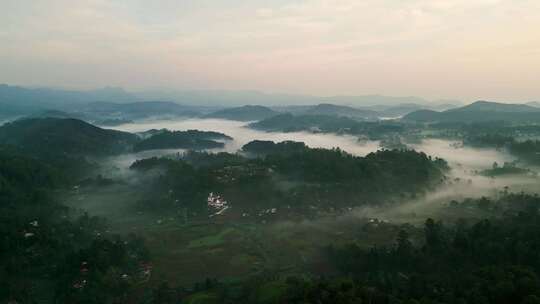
186 253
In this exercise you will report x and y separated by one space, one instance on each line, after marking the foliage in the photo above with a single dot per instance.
328 124
43 244
488 261
505 169
191 139
290 174
263 147
245 113
64 136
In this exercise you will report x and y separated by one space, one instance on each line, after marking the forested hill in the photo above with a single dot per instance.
191 139
293 123
244 113
487 106
299 178
58 138
264 147
342 111
479 111
64 136
50 254
137 110
327 124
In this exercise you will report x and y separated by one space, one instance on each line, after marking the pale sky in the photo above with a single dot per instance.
464 49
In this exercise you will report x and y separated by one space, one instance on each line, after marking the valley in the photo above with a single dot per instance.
219 202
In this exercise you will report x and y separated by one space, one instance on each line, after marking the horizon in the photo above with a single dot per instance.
449 50
306 99
270 151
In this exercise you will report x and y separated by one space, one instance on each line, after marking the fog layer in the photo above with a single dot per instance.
463 178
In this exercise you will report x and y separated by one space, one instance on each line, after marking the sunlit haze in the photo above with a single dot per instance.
437 49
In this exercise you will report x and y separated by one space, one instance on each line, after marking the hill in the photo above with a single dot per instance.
136 110
52 98
391 111
344 111
315 123
329 124
372 112
314 177
238 98
64 136
487 106
264 147
424 116
191 139
245 113
56 114
480 111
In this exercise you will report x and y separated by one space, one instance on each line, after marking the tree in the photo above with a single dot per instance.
531 299
404 245
433 235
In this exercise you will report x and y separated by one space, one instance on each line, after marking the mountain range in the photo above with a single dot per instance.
58 98
479 111
115 104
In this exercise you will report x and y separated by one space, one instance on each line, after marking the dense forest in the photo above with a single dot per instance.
190 139
292 176
527 151
64 136
488 261
270 152
53 254
328 124
283 213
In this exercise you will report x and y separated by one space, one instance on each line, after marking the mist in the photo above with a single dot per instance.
242 134
288 240
465 162
124 177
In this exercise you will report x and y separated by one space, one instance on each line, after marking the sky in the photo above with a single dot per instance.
455 49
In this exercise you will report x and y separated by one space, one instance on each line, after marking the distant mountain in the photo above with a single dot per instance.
343 111
111 122
480 111
381 100
56 114
445 106
330 110
297 110
487 106
365 112
287 122
43 98
13 110
239 98
424 116
136 110
21 100
400 110
64 136
314 123
245 113
226 97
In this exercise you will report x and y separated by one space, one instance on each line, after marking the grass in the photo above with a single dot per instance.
271 292
184 254
211 240
202 298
